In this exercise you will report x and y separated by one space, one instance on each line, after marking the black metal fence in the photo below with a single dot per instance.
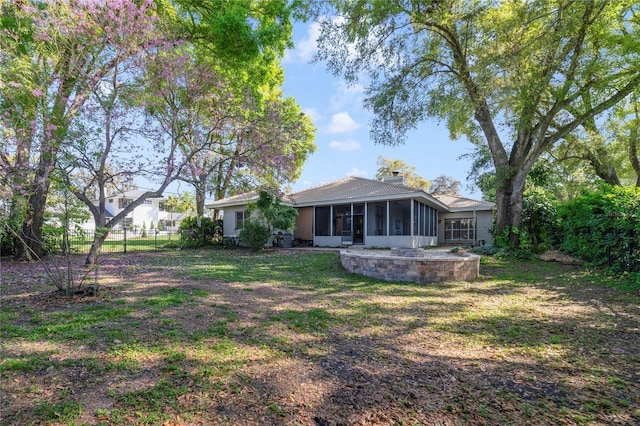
124 241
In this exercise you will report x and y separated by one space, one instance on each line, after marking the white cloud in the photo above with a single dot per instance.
347 95
357 172
306 47
342 123
345 145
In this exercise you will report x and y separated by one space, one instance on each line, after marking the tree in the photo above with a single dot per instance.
54 54
388 166
244 39
227 132
444 184
610 148
111 124
508 75
183 203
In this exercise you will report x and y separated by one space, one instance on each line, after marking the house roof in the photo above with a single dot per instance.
135 194
347 190
242 199
458 203
355 189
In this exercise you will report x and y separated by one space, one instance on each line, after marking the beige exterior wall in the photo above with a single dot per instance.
304 224
484 224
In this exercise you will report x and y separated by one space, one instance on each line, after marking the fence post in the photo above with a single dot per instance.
124 228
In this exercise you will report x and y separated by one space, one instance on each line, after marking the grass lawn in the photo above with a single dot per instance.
287 337
115 243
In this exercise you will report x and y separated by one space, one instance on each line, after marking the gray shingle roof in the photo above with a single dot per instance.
456 202
351 189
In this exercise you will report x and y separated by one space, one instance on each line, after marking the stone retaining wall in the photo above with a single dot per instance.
427 269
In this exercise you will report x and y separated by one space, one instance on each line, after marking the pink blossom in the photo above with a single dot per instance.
37 92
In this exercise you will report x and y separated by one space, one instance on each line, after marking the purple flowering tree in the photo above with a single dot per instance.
225 132
55 53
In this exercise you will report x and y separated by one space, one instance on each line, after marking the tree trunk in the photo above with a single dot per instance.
32 226
96 245
200 199
509 209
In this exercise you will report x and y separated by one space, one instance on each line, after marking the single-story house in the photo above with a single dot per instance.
373 213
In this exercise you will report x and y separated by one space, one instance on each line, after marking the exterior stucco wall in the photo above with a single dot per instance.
484 224
304 224
229 221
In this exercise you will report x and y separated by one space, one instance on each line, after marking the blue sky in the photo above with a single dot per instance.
344 144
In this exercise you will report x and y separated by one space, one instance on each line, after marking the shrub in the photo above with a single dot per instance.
197 236
254 234
539 220
487 250
603 227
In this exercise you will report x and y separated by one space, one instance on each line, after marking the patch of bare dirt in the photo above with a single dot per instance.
383 359
560 257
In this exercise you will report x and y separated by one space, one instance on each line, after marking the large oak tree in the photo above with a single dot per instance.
509 75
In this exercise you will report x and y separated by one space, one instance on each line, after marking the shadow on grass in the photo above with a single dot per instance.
268 339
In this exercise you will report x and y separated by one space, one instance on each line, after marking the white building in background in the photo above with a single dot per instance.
152 212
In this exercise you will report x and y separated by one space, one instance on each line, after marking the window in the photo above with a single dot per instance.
459 229
124 202
323 221
161 207
147 202
110 201
240 218
127 222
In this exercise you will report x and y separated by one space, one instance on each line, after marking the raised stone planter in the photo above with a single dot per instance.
412 265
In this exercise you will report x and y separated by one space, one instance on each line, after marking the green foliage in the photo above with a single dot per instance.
487 250
199 235
539 219
183 203
51 237
503 74
514 254
61 412
387 166
254 234
277 215
9 228
603 227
